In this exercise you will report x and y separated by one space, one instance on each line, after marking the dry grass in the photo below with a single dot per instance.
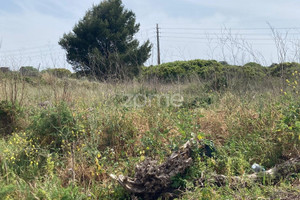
123 136
214 125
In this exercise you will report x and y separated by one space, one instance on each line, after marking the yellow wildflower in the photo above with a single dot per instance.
200 137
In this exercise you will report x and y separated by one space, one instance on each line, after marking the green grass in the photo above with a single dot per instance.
87 130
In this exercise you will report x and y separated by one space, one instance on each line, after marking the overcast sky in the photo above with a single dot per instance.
233 30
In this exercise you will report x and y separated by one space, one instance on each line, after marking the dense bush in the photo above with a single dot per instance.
284 69
288 130
4 69
54 127
29 71
219 74
214 73
9 114
181 69
58 72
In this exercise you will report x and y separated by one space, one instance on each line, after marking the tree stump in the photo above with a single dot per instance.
151 179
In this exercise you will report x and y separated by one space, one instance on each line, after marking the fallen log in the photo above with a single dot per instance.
271 176
152 179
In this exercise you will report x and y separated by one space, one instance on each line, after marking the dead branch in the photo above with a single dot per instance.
272 175
152 179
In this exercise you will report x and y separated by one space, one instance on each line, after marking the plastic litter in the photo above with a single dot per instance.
257 168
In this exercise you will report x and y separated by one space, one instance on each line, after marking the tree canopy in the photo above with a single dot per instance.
103 44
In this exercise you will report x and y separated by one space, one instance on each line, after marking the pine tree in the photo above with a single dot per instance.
102 43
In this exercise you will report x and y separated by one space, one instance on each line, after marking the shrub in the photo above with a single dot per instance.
4 69
58 72
29 71
216 74
288 130
118 133
254 71
20 156
54 127
180 70
8 116
288 127
284 69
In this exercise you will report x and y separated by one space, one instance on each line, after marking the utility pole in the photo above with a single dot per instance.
158 48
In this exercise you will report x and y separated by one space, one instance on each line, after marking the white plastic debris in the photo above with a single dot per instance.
257 168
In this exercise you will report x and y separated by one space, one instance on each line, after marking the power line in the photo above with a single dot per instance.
31 48
205 38
32 54
22 53
217 38
215 33
203 42
178 28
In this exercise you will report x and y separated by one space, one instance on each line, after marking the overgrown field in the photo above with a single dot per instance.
61 137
